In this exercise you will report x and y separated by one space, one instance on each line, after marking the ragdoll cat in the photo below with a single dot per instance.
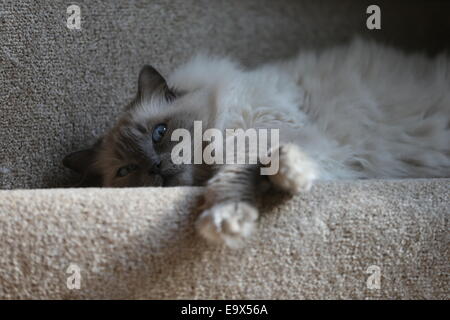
351 112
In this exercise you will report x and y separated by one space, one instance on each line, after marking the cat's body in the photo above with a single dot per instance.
358 111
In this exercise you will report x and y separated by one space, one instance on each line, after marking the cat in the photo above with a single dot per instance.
355 111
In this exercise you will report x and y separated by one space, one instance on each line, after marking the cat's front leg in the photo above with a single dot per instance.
296 170
230 214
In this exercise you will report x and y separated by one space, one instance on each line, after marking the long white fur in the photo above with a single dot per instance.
358 111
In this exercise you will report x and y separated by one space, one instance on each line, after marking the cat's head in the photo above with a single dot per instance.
137 150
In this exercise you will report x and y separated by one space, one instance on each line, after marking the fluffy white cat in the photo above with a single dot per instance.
356 111
359 111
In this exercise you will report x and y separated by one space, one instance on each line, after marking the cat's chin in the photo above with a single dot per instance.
176 181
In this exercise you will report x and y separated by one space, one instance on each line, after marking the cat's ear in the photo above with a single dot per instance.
152 83
82 162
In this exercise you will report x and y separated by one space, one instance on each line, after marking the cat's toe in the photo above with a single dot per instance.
296 171
228 223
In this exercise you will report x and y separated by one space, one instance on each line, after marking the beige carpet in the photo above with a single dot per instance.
140 243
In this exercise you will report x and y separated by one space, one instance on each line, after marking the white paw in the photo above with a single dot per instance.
296 171
228 223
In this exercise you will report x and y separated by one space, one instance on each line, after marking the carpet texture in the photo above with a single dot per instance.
60 89
140 243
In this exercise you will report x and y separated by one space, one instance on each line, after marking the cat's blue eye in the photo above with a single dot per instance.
158 132
125 170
